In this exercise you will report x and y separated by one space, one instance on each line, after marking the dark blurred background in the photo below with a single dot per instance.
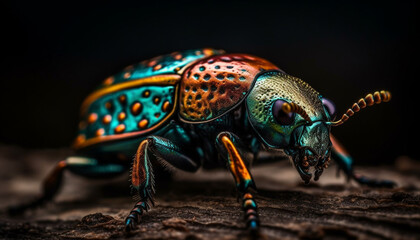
55 53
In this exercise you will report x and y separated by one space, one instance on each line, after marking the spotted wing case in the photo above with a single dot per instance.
135 101
213 86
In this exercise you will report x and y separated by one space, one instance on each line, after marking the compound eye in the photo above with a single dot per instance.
330 106
281 117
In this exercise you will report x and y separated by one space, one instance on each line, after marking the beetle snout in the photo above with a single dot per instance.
313 141
311 148
309 157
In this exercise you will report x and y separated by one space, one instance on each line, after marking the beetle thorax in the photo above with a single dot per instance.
280 85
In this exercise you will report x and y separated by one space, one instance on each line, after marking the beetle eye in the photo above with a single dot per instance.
330 106
280 116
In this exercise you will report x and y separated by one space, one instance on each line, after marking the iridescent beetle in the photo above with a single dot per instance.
204 108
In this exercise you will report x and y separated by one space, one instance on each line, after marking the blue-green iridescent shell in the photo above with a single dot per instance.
110 105
165 64
130 104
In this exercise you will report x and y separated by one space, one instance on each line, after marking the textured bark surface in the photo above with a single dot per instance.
204 205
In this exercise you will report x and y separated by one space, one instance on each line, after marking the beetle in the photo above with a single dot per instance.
205 108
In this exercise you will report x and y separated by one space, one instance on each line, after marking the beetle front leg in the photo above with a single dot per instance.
345 163
226 144
142 178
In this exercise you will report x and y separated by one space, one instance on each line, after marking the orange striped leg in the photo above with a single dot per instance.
142 178
142 181
225 143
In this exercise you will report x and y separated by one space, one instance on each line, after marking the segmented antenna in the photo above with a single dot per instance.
370 99
293 107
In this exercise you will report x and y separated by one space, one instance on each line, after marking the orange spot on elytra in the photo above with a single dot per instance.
108 105
80 139
152 63
208 52
143 123
109 81
156 100
157 67
178 57
120 128
107 119
121 116
100 132
122 98
146 93
92 118
127 75
136 108
165 106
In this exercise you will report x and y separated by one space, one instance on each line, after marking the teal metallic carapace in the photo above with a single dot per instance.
135 101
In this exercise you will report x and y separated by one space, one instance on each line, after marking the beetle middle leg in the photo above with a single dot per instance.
226 144
345 163
142 178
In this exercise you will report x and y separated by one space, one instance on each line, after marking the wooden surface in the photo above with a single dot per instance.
204 205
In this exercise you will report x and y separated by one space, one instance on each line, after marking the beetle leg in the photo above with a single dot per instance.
226 145
142 178
50 187
345 163
53 181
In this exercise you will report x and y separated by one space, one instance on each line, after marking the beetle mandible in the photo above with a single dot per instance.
204 108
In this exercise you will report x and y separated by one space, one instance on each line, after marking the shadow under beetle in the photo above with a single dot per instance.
204 108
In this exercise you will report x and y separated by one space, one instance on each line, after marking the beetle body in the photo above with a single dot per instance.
192 94
205 108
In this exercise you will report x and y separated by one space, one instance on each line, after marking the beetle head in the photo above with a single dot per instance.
288 114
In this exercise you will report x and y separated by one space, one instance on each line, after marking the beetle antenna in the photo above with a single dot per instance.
293 107
370 99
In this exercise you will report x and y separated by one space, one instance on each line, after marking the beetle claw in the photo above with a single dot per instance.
129 225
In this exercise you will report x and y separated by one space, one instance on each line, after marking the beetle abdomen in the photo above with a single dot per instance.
213 86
